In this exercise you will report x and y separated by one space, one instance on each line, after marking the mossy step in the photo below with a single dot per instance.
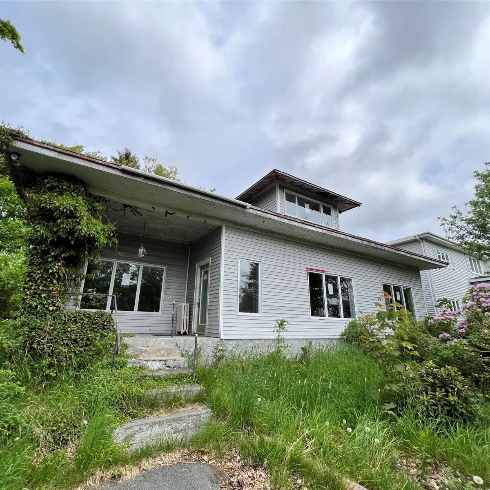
169 372
157 363
153 431
185 392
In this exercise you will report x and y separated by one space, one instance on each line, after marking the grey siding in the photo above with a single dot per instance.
206 247
282 208
451 282
284 285
267 200
417 247
171 255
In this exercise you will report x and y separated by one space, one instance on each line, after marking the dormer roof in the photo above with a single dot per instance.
343 203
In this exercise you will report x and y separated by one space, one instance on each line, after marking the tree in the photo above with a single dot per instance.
9 33
471 229
127 158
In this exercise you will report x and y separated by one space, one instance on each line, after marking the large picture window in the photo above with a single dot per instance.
249 287
399 294
309 210
331 296
138 287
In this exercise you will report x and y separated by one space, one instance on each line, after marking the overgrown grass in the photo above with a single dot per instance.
54 434
319 418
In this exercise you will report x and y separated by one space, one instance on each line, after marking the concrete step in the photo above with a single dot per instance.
169 372
180 392
153 431
148 351
157 363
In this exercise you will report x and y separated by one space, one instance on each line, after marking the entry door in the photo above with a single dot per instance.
202 298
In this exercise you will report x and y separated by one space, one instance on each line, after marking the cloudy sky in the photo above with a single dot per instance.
386 102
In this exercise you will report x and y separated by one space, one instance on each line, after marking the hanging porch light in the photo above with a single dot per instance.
142 249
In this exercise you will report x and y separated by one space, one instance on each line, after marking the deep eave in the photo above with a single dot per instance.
431 237
343 203
144 189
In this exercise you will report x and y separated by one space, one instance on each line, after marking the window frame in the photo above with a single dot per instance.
332 209
325 305
138 286
259 313
474 261
442 253
410 288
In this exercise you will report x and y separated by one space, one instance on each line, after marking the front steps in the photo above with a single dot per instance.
159 358
154 431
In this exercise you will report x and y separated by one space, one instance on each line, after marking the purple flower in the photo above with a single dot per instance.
444 336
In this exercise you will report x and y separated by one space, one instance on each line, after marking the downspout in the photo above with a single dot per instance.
431 285
187 276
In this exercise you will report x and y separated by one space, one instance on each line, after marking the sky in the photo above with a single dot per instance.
387 103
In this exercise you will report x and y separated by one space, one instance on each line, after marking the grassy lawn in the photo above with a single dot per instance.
318 418
55 434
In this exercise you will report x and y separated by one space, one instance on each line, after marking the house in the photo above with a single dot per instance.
276 251
451 282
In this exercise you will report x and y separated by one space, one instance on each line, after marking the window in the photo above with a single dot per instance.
330 296
475 265
399 294
138 287
455 305
441 255
309 210
249 287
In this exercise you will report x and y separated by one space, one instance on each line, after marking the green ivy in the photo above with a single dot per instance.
66 228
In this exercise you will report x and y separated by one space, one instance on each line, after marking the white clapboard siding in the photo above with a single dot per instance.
207 247
451 282
284 284
282 208
267 200
173 256
415 246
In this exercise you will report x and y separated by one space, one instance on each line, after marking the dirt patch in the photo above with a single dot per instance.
232 473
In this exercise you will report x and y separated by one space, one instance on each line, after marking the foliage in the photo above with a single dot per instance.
80 149
13 226
470 229
12 275
319 418
443 395
9 33
129 159
65 340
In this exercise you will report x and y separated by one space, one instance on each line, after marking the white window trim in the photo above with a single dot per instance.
447 254
195 318
479 264
414 313
260 288
353 308
138 287
332 209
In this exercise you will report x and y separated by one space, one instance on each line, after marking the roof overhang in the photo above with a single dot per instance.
343 203
431 237
139 188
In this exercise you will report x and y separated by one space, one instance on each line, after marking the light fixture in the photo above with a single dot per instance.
15 157
142 250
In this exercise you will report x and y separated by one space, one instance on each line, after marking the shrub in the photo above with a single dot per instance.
59 340
442 394
12 273
11 393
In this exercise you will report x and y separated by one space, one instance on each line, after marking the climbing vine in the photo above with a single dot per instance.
67 227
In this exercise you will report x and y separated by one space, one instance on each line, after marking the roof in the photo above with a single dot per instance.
343 203
141 188
431 237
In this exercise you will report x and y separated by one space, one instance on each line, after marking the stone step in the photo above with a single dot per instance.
148 352
157 363
153 431
169 372
181 392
